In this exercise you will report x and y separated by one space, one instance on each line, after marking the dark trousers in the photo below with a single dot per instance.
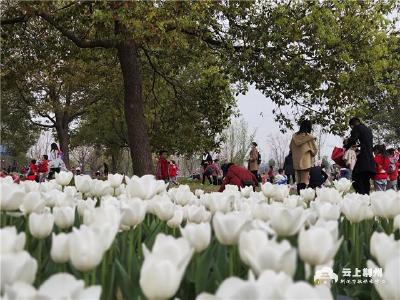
361 182
52 172
291 178
215 180
208 177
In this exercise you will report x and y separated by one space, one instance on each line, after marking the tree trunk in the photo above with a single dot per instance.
63 139
138 137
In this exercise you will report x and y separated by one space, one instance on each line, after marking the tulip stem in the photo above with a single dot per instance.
39 259
311 277
131 240
86 278
139 240
231 261
355 244
94 277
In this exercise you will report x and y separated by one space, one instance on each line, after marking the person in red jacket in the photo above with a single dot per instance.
239 176
173 172
162 166
33 171
382 163
43 168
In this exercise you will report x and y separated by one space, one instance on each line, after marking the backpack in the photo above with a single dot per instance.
259 159
337 156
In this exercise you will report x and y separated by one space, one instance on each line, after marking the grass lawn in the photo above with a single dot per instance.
196 184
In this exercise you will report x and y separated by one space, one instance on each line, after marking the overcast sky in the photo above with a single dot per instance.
256 110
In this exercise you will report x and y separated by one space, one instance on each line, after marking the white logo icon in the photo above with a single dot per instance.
325 276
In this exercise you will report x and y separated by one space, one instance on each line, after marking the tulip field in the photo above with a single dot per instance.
132 238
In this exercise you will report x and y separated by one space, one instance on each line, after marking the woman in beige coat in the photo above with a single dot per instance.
253 159
303 149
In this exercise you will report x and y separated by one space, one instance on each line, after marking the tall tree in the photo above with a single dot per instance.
52 83
131 28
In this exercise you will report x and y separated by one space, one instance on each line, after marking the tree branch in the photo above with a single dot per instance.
15 20
81 43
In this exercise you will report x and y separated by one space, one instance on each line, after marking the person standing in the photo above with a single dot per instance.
382 163
288 168
393 169
173 172
56 162
253 159
303 149
162 167
206 161
364 168
350 158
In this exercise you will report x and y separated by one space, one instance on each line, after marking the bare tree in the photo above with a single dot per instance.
279 147
81 155
42 145
321 137
237 139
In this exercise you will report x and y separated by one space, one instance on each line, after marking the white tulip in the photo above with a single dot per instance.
280 192
329 195
33 202
115 180
198 235
308 194
268 189
11 241
286 221
260 253
356 208
332 226
198 193
246 191
396 223
88 204
85 248
176 220
292 201
181 195
164 266
221 202
83 183
164 210
20 290
386 204
317 246
19 266
59 248
64 217
12 196
342 185
312 216
261 211
236 288
391 275
197 214
63 178
133 211
145 187
383 247
49 186
101 188
305 291
41 225
30 186
65 286
53 198
326 210
227 227
105 221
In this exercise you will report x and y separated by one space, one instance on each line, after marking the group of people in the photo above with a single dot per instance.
166 170
46 167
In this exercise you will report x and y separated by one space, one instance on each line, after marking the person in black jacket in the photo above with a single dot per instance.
288 167
317 176
364 169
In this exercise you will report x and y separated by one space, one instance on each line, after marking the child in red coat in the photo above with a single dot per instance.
162 167
33 171
382 163
43 168
173 172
